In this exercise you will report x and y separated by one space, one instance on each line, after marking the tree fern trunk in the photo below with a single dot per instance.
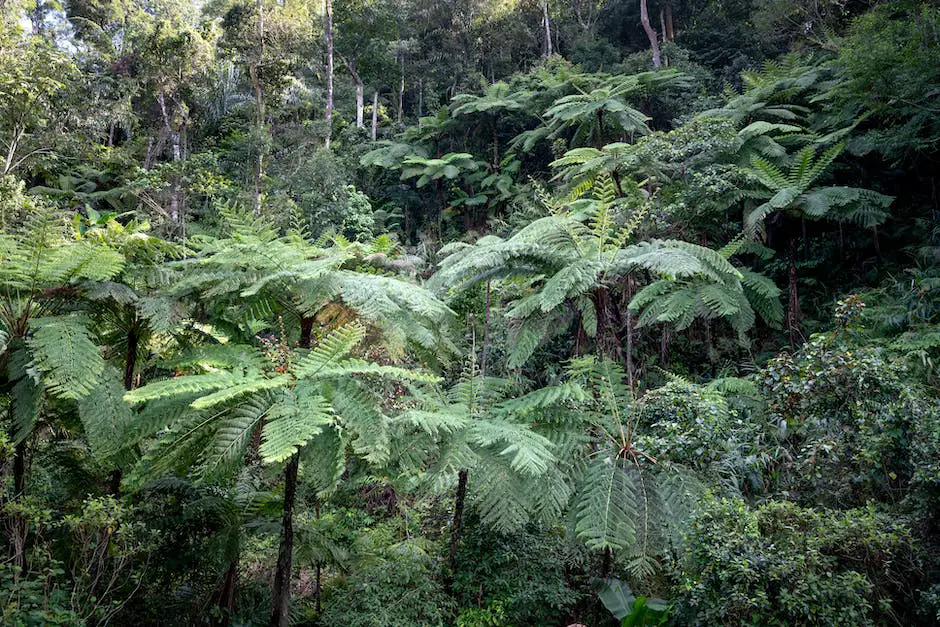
457 524
226 601
319 568
793 304
280 604
18 526
486 331
630 338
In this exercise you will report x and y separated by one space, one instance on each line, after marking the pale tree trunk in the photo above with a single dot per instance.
651 34
662 33
11 149
360 91
375 114
256 80
328 32
546 22
175 144
401 94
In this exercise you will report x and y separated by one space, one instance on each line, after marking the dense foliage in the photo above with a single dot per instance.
473 313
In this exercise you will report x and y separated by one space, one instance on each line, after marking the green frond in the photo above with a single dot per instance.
329 351
435 423
293 420
180 386
240 387
526 451
106 417
607 509
63 350
81 260
324 460
358 411
233 433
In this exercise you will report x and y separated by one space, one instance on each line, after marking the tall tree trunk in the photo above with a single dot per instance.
401 93
280 603
793 303
130 366
19 527
375 115
319 568
495 143
255 70
630 330
670 28
130 359
457 524
174 135
226 597
306 331
280 612
650 33
328 32
662 33
486 331
547 24
360 90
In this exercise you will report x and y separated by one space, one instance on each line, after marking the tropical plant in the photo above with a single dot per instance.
793 196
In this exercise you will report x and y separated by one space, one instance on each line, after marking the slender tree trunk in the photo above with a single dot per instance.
306 331
793 304
547 24
130 366
630 339
459 499
670 28
18 521
375 115
486 330
280 603
130 359
255 70
328 32
651 34
664 341
401 93
662 33
226 598
495 144
174 135
360 90
420 98
319 569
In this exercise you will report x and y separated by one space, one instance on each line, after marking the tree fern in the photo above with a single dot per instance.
66 354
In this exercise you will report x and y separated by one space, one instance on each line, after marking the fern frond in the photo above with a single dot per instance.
64 351
293 420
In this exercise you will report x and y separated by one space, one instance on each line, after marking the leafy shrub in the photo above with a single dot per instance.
684 423
523 578
782 564
845 415
402 587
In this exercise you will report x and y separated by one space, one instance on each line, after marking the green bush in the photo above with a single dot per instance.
780 564
402 587
684 423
